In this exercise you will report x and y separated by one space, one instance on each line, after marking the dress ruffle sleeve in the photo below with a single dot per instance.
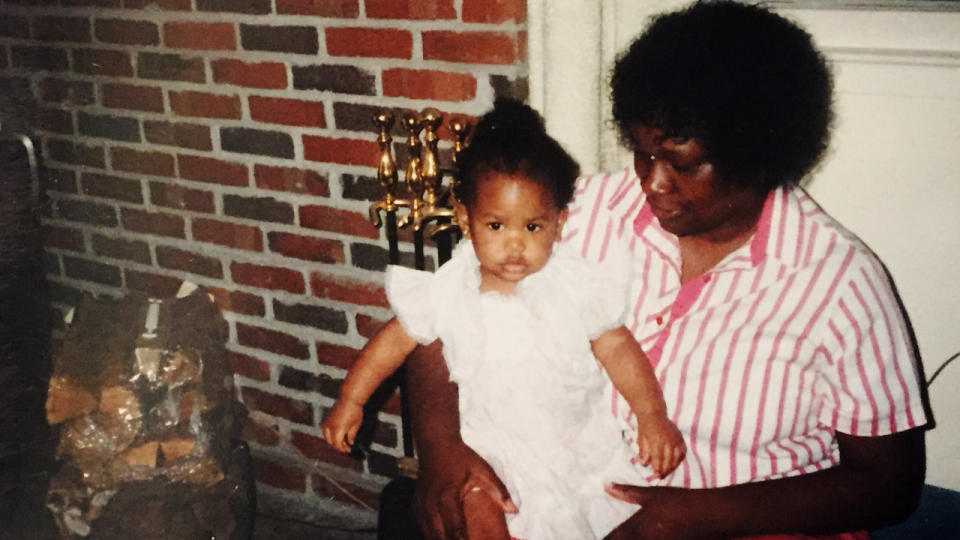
601 289
407 291
442 305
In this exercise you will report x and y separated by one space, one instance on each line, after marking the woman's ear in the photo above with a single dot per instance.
561 221
463 218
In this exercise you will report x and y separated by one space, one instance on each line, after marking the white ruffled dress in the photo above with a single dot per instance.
531 392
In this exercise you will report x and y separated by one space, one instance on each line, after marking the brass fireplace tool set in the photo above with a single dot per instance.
426 197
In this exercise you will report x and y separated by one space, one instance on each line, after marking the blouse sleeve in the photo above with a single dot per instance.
407 291
872 382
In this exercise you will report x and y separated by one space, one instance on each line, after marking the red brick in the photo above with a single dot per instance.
159 223
62 180
238 302
153 284
470 47
204 169
202 104
347 290
369 42
61 29
101 215
62 238
111 187
410 9
171 5
268 277
315 448
186 261
180 197
120 248
254 430
334 355
345 151
274 474
493 11
102 62
249 74
272 341
89 270
288 39
73 3
128 96
308 248
67 151
367 326
54 120
146 162
327 218
200 35
320 8
184 135
230 235
67 92
425 84
14 27
248 366
171 67
291 112
292 180
127 32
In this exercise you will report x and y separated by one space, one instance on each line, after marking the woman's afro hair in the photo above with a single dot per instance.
747 83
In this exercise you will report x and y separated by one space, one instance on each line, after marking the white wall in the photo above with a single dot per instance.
892 174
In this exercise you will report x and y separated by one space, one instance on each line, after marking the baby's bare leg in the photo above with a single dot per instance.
485 519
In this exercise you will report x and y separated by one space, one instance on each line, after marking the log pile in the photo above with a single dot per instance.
143 396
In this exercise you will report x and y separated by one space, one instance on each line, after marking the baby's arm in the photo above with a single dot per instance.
382 355
660 442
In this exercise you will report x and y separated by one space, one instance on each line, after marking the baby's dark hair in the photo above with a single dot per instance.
747 83
511 139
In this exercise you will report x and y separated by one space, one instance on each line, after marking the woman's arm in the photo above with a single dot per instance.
877 482
448 468
382 355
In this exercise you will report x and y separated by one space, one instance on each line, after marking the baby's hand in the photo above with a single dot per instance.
660 442
341 425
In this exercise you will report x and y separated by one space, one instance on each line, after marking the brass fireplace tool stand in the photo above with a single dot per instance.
427 188
426 197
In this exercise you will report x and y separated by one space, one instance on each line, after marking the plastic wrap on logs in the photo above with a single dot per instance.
143 396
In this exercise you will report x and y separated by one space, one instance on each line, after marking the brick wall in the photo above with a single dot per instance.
230 142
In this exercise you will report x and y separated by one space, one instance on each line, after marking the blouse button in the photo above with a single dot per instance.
659 320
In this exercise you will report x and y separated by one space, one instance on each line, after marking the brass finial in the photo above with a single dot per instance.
386 166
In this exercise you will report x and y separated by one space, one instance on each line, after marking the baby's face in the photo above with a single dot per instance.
513 224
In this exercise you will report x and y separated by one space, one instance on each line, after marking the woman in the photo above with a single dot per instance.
784 357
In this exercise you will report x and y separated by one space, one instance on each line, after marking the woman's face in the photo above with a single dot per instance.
685 192
513 224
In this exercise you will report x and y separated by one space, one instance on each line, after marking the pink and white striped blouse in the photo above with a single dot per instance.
792 336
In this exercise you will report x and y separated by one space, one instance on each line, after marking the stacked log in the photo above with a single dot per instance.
143 395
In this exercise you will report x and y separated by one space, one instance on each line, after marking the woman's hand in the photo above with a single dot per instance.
667 513
444 482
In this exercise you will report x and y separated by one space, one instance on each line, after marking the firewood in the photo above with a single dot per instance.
144 455
176 448
66 399
120 402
